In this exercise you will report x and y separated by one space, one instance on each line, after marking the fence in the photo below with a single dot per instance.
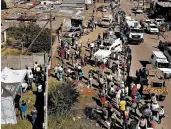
20 62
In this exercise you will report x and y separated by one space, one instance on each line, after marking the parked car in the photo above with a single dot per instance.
105 22
74 31
159 21
152 28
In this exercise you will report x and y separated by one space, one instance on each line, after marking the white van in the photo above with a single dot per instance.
105 51
159 60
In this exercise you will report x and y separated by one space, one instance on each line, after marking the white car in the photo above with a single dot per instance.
158 21
152 28
105 51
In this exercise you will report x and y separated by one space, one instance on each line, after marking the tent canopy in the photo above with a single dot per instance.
12 76
9 89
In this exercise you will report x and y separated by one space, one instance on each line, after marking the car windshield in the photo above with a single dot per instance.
71 30
137 30
159 20
163 65
105 20
153 26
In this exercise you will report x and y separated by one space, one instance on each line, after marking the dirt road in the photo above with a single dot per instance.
142 53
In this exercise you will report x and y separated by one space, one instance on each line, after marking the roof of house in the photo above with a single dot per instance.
164 4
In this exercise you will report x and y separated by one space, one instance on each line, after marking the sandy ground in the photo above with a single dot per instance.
143 52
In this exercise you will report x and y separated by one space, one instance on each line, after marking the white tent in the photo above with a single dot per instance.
10 82
12 76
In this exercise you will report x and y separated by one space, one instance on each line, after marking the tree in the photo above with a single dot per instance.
27 32
62 99
3 5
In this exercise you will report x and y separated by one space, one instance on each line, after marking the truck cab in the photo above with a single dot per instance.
135 32
159 60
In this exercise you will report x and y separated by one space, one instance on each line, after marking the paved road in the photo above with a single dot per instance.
143 52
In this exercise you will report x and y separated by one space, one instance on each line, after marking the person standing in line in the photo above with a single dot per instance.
103 67
128 69
23 109
88 43
60 73
57 71
30 76
68 54
122 107
34 115
161 114
118 96
73 40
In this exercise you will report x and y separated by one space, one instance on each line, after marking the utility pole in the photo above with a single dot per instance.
51 32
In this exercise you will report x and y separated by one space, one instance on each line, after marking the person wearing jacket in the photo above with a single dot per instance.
23 109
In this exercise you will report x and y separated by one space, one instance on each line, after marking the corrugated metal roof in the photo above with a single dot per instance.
73 2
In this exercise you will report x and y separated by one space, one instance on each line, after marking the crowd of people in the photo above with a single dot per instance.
35 76
120 95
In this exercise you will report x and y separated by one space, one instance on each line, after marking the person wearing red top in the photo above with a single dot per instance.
62 53
134 103
134 90
103 100
103 68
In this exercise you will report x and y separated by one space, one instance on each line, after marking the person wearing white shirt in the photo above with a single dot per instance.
30 76
122 86
35 65
118 96
39 88
154 108
24 86
56 71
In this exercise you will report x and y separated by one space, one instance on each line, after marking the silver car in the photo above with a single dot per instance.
74 31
